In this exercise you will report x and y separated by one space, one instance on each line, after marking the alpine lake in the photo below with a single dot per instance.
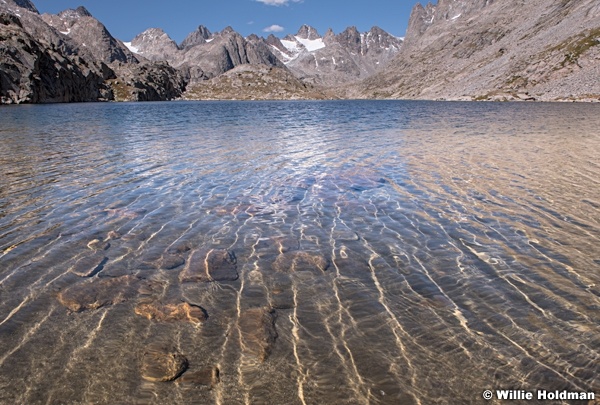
298 252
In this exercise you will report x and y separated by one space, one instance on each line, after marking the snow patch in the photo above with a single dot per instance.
132 48
67 32
290 45
209 40
455 17
311 45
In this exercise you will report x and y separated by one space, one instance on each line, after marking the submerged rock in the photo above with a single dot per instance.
300 261
172 312
158 259
211 265
113 235
257 327
208 376
161 364
99 292
89 266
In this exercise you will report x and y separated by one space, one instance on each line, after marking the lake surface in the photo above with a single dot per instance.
346 252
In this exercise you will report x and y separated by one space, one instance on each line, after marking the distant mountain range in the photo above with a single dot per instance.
329 60
456 49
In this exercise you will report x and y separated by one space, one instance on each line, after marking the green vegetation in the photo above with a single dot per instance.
121 90
576 46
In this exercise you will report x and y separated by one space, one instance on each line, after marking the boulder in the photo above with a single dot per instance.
161 364
95 293
257 328
210 265
300 261
207 376
89 265
172 312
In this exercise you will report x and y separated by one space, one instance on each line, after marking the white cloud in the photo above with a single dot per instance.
278 2
274 28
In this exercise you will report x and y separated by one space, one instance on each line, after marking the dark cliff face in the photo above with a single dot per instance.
72 57
35 73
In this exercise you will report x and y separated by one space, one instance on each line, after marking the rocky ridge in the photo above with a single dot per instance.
72 57
455 49
255 82
335 59
34 71
324 61
489 50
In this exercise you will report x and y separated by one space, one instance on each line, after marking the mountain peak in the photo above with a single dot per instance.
75 13
154 44
199 36
308 32
228 30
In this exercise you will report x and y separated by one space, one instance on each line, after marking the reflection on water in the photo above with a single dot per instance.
298 252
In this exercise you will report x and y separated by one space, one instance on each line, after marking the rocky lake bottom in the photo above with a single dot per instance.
334 252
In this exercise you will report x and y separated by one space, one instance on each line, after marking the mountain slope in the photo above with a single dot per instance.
484 49
73 57
254 82
89 33
33 72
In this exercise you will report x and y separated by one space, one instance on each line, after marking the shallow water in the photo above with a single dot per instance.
385 252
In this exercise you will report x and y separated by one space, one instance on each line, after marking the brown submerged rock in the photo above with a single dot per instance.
257 327
208 376
88 266
172 312
211 265
299 261
161 364
99 292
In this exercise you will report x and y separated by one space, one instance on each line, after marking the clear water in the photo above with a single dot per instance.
461 243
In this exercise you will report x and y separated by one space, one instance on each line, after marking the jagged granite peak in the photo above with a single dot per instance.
224 52
378 40
329 36
420 19
308 32
61 58
335 59
32 72
89 33
75 13
351 39
477 49
200 36
154 44
227 30
274 41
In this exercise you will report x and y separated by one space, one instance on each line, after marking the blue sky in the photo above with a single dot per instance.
127 18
